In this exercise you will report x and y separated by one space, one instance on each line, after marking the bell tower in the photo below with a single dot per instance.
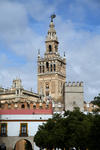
51 41
51 68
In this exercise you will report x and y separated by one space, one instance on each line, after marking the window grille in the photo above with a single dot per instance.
23 129
3 129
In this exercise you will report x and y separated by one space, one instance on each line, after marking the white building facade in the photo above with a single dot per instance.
16 127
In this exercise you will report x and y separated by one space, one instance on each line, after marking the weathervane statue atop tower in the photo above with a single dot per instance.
52 17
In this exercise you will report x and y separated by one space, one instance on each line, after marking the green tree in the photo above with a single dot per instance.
71 130
77 130
51 134
44 137
94 135
96 100
28 145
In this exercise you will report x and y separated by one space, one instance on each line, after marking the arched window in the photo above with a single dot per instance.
28 105
40 69
51 67
43 69
22 106
34 106
56 48
17 92
50 48
54 67
47 66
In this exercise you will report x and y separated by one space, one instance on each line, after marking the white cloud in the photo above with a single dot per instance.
39 10
12 17
15 32
21 39
27 73
82 47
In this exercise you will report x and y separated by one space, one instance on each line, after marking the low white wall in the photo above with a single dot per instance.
13 128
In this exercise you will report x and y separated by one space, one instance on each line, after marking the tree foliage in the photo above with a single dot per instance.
28 145
96 100
94 135
74 129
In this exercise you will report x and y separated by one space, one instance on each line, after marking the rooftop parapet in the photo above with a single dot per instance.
74 84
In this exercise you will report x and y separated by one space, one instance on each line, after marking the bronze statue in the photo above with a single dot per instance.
52 17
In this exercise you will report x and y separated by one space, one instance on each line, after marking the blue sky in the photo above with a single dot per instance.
23 28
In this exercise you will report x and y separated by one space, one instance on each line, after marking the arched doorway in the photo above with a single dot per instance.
23 145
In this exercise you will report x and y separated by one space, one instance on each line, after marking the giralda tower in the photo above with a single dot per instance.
51 68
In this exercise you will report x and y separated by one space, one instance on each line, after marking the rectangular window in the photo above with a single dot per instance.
3 129
23 129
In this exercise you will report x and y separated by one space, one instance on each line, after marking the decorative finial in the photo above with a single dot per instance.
52 17
38 53
64 54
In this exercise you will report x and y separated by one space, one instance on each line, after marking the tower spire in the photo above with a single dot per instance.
52 32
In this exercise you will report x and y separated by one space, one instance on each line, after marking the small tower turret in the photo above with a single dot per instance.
17 84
